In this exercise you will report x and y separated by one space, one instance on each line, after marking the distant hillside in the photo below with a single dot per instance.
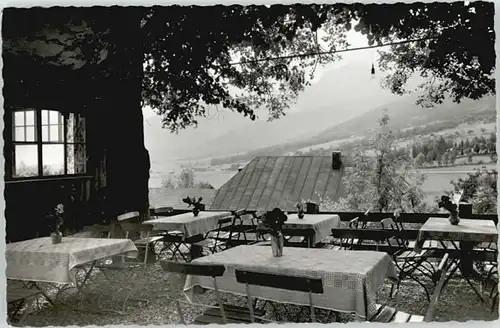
403 113
329 101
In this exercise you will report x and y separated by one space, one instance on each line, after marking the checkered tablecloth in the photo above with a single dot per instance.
350 278
40 260
322 224
467 230
188 224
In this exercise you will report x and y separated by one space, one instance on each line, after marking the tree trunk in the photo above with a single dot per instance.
127 160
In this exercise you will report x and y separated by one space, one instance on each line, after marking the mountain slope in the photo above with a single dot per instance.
404 113
345 101
333 99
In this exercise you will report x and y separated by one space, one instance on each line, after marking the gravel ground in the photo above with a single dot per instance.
457 302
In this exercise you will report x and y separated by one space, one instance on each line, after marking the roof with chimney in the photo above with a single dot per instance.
281 181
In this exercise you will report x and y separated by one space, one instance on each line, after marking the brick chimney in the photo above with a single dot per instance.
336 160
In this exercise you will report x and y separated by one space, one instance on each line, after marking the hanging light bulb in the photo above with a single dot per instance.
373 69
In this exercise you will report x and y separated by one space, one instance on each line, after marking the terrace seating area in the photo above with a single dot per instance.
224 266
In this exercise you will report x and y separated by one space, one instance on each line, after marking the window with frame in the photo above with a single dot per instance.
47 143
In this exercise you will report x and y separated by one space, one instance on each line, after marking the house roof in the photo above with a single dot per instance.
280 181
173 197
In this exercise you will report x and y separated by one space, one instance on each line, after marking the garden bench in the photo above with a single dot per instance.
218 313
310 285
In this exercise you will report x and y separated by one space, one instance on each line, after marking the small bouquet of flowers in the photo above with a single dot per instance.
447 204
272 222
300 210
196 204
55 220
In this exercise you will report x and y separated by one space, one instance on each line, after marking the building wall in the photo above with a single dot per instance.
106 91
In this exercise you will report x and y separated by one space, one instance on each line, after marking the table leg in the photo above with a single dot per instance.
195 252
465 265
310 241
466 260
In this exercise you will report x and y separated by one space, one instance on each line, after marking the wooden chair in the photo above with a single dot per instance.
213 240
219 313
386 314
129 217
360 239
100 230
128 265
241 230
95 231
300 284
162 210
347 240
156 212
406 259
494 295
163 240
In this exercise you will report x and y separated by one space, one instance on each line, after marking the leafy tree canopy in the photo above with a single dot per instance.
189 53
479 189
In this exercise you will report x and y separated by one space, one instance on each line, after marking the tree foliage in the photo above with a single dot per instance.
479 189
187 65
457 59
190 64
383 182
185 179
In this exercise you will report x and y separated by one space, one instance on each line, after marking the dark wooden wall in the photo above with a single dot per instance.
108 95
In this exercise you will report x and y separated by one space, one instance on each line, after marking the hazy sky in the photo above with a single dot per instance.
355 39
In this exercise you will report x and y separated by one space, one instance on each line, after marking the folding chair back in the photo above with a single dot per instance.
396 241
356 223
222 225
157 211
100 229
310 285
259 214
193 269
206 270
128 216
144 233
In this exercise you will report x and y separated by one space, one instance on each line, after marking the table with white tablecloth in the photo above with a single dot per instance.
40 260
189 224
350 278
320 226
462 237
467 230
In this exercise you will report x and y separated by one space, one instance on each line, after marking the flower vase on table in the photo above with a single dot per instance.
196 204
300 212
447 204
55 221
277 243
56 237
272 223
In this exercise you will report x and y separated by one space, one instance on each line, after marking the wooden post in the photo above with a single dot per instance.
336 160
465 210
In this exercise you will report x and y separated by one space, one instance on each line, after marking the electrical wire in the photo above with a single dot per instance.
319 53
